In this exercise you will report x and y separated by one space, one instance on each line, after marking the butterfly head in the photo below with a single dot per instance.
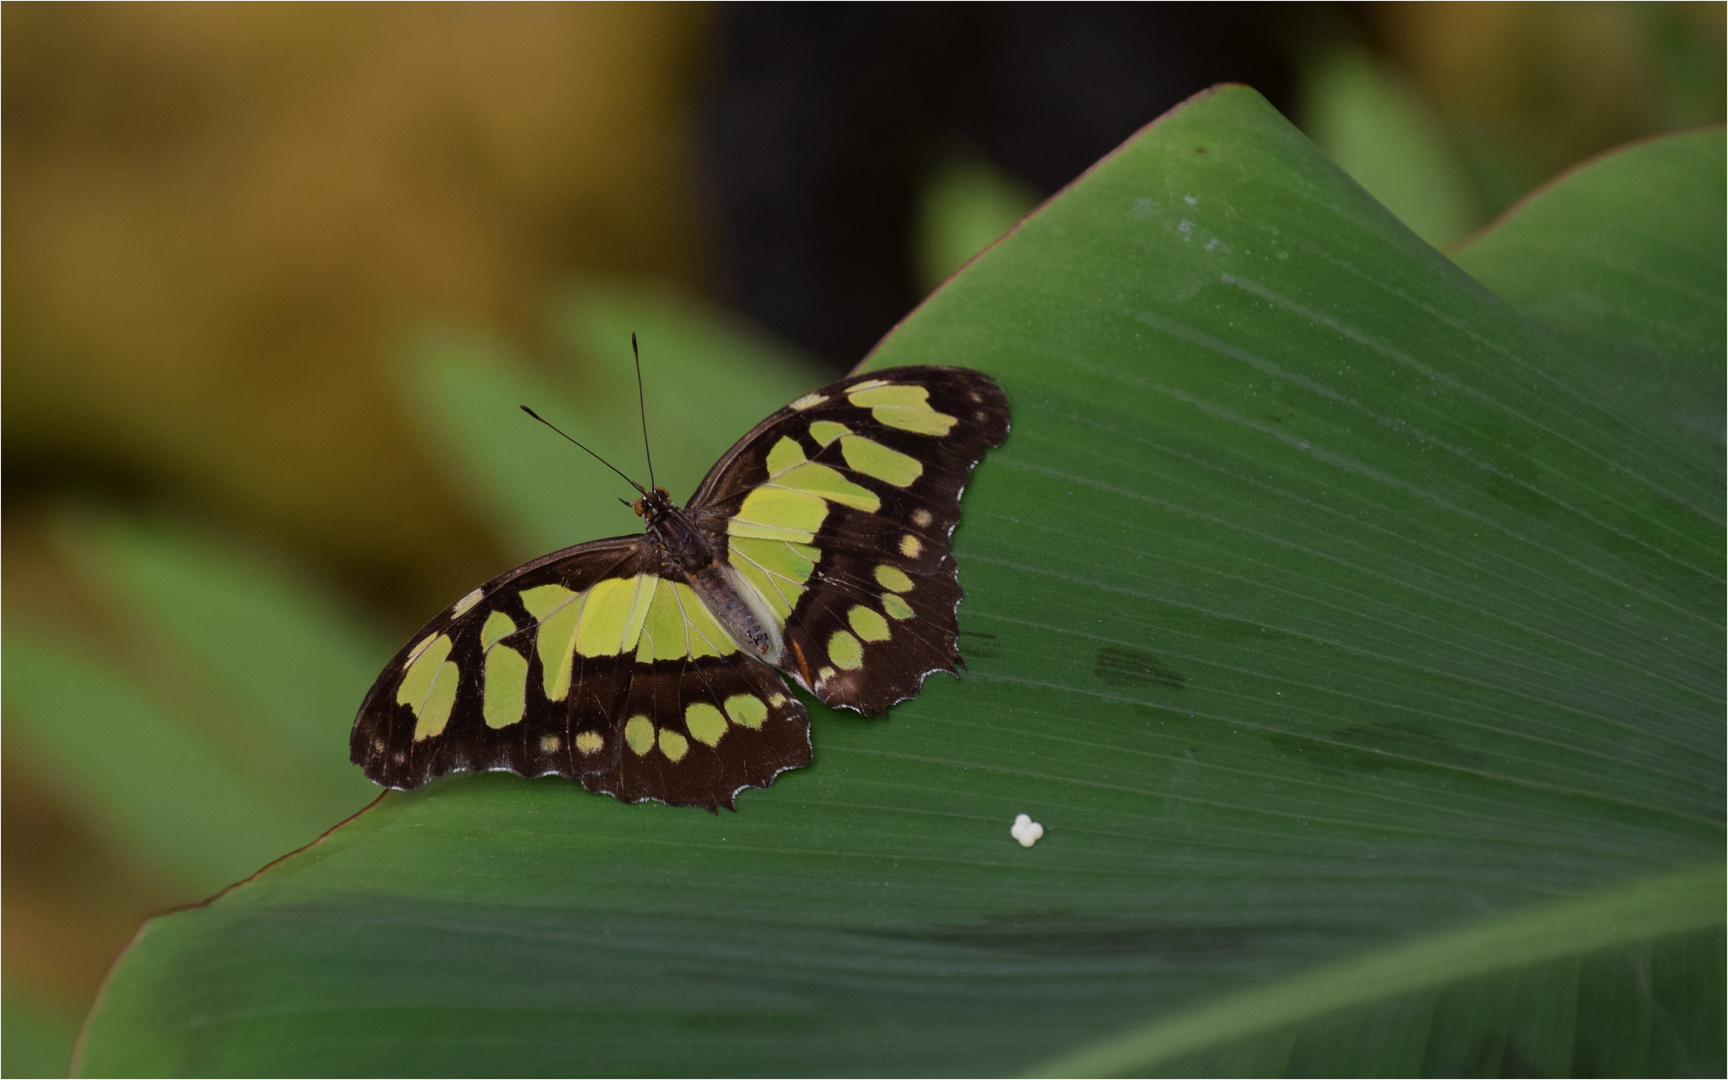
653 506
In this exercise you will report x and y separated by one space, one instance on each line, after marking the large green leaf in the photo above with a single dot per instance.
1612 264
1315 606
35 1038
1622 981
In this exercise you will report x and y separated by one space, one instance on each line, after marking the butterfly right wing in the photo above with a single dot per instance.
592 664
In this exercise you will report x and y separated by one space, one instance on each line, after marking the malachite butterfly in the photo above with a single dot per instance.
644 666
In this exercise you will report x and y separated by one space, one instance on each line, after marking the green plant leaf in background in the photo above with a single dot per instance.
290 660
228 748
706 379
165 791
1317 608
1375 129
38 1036
966 205
1622 270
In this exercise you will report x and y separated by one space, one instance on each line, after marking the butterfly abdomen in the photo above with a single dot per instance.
700 560
749 625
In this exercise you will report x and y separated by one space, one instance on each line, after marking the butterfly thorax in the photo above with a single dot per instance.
701 561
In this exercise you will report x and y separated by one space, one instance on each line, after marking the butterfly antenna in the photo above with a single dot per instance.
595 456
642 407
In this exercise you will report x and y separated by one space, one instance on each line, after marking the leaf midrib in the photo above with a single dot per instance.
1620 914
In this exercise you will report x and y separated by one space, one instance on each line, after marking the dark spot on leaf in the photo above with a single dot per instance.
1497 1053
1377 748
1520 497
1175 941
976 648
1216 627
1410 740
1131 667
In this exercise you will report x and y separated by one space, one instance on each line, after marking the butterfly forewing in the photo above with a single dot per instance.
839 508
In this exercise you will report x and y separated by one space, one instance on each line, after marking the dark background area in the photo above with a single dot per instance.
821 123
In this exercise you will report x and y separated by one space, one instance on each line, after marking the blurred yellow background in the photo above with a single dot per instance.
222 222
218 217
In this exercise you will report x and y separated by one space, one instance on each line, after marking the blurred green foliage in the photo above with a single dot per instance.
704 374
966 205
1377 131
1519 92
35 1037
220 747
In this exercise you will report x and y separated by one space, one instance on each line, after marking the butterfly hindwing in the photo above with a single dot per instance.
699 730
876 621
839 508
590 663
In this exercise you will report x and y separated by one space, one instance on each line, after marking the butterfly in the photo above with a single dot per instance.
645 666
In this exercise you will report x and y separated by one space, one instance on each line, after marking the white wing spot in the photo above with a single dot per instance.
1026 830
807 401
464 605
419 647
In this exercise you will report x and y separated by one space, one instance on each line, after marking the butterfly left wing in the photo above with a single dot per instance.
590 663
838 509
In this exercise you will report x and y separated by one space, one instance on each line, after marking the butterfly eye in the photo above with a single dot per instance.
637 506
664 494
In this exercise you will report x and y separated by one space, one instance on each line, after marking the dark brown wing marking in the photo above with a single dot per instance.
695 759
